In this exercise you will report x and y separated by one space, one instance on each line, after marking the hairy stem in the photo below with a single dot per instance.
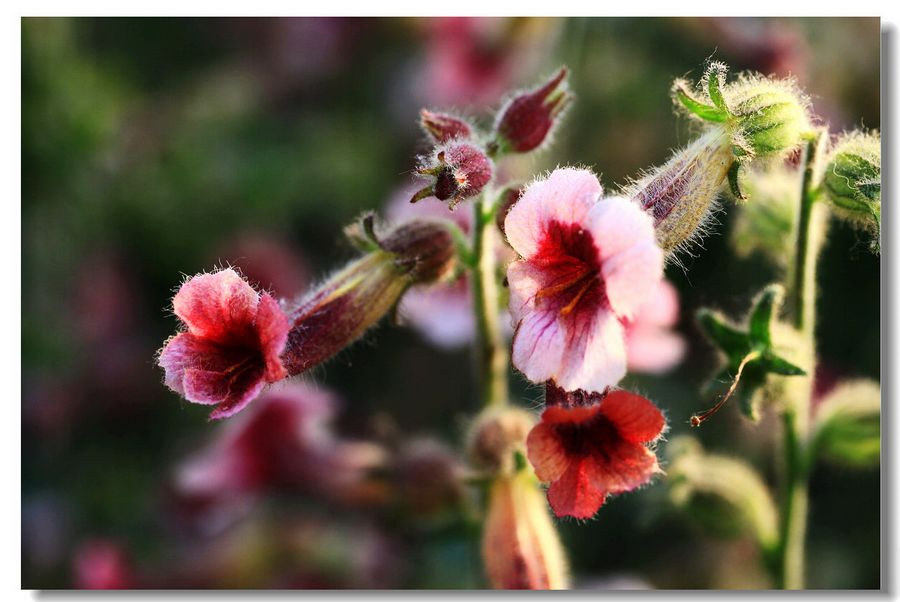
491 355
795 497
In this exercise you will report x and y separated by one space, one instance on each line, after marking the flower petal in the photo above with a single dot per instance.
220 306
524 282
594 357
205 386
575 494
625 466
565 196
538 345
631 261
238 400
653 350
272 326
635 417
546 452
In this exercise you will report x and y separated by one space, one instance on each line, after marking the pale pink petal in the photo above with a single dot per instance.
546 453
616 223
594 357
220 306
565 196
442 313
538 345
524 282
660 308
653 350
272 326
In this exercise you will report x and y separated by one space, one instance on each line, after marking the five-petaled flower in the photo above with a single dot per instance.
587 264
232 344
589 445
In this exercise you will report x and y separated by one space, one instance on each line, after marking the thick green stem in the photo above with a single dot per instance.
795 500
491 355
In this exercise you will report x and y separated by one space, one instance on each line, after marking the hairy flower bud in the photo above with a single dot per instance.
458 171
340 310
442 127
520 546
496 436
528 119
852 179
681 195
763 116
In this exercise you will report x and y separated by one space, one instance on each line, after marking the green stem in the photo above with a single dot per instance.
491 355
795 500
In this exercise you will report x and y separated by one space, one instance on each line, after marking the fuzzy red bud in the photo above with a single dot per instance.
527 120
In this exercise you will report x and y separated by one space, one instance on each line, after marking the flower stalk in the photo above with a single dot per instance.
795 501
490 353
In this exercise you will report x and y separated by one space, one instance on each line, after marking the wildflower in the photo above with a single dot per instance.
589 445
232 346
586 265
650 344
442 127
458 171
528 119
521 549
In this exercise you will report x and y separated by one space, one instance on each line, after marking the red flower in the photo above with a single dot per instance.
589 445
232 345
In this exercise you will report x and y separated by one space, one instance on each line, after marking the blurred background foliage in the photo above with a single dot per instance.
155 148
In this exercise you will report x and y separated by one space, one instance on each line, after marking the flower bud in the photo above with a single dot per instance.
520 546
527 120
852 179
442 127
429 476
509 197
495 437
459 170
681 195
763 116
351 301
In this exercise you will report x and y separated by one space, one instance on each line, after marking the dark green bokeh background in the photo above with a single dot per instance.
151 144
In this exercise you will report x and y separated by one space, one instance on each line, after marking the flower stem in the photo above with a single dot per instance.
795 498
491 355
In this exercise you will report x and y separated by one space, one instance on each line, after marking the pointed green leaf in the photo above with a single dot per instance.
703 111
762 313
732 342
715 76
733 182
774 364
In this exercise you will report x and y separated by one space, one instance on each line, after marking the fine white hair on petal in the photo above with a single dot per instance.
566 195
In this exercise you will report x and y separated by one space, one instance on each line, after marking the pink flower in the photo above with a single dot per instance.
650 343
587 264
232 344
589 445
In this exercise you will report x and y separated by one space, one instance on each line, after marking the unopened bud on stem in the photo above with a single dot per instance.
528 120
458 171
442 127
852 180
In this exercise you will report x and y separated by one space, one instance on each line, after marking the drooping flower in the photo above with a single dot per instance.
650 343
231 347
590 445
587 264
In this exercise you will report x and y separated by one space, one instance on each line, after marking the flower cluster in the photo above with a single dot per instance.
588 264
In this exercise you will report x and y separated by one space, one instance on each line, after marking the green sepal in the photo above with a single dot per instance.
714 78
701 110
733 182
763 312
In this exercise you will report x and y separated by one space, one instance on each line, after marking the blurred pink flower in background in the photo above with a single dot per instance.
102 564
268 262
285 440
650 343
442 312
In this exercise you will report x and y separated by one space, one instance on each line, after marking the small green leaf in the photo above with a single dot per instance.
715 77
762 313
733 183
778 365
734 343
703 111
